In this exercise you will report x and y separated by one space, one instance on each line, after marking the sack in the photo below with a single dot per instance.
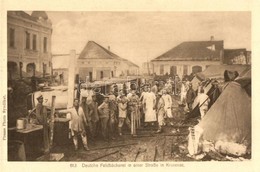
195 140
230 148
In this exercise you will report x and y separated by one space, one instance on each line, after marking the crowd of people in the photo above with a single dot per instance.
152 103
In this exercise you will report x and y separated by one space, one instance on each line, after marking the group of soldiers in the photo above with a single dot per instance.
89 119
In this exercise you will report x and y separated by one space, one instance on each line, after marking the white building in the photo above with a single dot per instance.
97 63
189 57
29 43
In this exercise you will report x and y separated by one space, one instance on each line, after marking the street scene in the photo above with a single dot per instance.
129 86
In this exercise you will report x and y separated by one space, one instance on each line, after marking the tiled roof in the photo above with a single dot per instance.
194 50
95 51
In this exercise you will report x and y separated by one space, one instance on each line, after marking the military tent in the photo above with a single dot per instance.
229 118
217 72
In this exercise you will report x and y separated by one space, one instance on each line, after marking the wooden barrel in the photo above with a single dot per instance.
16 151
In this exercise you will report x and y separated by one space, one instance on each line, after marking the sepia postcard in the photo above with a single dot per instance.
129 85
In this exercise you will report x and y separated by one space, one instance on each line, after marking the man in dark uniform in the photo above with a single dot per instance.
104 113
190 96
93 113
42 119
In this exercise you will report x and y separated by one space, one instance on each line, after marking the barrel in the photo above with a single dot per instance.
16 151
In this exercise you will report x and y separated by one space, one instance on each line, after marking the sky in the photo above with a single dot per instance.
142 36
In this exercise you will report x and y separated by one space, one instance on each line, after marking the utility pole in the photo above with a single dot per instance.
71 79
148 69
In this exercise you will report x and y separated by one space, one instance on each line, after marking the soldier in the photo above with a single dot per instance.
93 113
160 112
190 96
122 107
42 119
168 106
133 109
77 122
112 115
104 113
150 106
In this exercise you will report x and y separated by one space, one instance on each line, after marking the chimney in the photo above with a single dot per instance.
108 48
212 38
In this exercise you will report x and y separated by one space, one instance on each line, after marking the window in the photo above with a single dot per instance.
112 74
27 45
34 42
44 69
11 37
185 70
90 76
101 75
45 44
161 69
173 70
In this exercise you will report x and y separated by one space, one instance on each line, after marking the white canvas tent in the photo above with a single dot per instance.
229 118
217 72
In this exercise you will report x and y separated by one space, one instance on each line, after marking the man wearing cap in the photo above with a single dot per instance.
122 107
93 113
42 119
168 106
160 112
104 111
216 92
86 92
77 123
183 92
168 86
190 96
85 108
154 89
112 115
133 104
142 98
150 106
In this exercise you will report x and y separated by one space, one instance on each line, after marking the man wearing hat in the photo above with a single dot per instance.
42 119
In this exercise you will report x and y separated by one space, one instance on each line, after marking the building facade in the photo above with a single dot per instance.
29 43
189 57
96 63
147 68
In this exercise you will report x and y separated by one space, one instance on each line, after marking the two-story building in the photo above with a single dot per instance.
29 43
189 57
